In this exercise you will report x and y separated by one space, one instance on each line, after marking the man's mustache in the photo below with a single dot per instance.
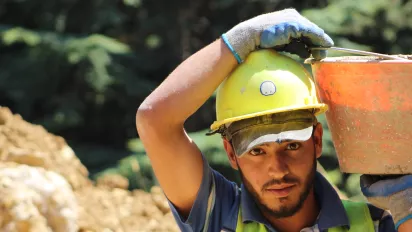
284 180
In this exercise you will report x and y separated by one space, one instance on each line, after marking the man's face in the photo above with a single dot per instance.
280 176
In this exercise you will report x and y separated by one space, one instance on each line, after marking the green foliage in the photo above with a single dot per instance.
71 85
136 169
372 25
335 177
211 147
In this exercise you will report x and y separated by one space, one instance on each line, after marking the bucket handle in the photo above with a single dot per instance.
359 52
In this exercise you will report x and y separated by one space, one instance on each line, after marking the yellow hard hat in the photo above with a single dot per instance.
266 83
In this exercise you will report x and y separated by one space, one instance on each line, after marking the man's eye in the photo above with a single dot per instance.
257 151
293 146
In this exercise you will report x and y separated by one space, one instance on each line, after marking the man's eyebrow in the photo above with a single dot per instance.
264 144
278 141
287 141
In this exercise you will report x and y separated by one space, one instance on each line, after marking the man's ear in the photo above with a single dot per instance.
317 137
230 153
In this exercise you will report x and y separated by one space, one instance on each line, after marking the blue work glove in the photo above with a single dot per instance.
391 193
284 30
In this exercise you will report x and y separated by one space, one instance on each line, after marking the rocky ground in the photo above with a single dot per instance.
45 187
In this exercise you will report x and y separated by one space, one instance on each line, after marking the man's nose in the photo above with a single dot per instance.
277 166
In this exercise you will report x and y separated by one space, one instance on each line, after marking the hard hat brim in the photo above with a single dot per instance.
318 109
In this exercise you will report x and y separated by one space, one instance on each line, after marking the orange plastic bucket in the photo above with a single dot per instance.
370 112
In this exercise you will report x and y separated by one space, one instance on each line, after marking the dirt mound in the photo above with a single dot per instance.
25 143
120 210
33 199
41 192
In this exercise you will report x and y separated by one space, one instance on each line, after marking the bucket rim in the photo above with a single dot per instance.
359 59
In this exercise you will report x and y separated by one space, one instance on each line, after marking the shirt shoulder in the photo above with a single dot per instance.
224 200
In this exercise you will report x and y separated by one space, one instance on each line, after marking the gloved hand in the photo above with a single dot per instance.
284 30
392 193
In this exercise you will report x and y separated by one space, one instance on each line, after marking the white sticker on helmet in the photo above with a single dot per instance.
267 88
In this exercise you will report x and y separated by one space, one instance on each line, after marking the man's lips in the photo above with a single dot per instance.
280 190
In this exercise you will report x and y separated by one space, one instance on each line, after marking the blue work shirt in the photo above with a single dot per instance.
224 215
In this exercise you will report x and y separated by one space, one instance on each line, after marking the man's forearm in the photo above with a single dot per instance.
190 84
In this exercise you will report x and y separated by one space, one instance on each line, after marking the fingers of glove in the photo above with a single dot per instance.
372 187
283 33
319 54
279 34
317 36
316 54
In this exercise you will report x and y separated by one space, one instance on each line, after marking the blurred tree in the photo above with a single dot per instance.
81 68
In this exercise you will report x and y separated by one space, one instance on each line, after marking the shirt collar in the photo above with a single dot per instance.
332 213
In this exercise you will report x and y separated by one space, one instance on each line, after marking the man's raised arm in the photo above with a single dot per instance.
176 160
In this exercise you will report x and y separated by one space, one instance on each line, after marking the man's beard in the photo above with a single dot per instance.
284 211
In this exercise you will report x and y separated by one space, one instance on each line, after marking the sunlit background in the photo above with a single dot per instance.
81 68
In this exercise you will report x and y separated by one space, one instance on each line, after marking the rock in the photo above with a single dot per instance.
113 181
159 199
33 199
24 143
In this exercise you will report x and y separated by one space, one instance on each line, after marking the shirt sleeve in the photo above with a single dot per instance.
226 194
386 223
383 218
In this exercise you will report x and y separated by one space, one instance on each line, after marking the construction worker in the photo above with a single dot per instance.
266 113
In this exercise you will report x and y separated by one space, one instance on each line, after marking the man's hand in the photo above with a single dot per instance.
284 30
392 193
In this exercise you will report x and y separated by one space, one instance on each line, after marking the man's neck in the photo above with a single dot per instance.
305 217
